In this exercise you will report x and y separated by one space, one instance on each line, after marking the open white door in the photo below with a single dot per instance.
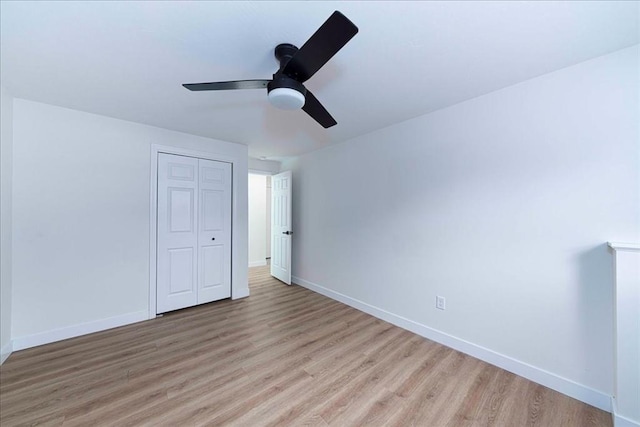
281 227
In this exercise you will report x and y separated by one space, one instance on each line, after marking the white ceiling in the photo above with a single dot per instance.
128 59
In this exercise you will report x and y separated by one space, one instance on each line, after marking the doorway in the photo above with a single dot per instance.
270 223
259 219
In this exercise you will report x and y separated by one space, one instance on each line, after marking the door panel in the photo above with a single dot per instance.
214 234
177 234
179 171
182 212
181 270
213 205
281 227
213 266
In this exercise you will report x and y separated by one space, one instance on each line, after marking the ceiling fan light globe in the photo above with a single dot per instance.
286 99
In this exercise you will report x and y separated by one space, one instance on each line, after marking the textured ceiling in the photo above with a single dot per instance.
128 59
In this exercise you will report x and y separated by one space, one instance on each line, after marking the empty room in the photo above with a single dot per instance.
320 213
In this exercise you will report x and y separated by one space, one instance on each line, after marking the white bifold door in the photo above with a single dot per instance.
281 227
194 232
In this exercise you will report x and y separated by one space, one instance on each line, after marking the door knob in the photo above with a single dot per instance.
288 233
213 238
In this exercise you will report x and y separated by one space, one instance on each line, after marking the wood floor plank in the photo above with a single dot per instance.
285 356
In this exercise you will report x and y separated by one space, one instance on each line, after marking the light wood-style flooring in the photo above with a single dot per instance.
284 356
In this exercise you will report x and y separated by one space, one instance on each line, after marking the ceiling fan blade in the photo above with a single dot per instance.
317 112
237 84
321 46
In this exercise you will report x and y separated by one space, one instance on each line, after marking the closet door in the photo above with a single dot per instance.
214 231
177 253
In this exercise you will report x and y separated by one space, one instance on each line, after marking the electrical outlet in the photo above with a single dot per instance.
440 303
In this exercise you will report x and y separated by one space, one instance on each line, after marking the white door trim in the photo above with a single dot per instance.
236 291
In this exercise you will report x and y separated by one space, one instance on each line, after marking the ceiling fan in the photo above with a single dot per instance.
285 90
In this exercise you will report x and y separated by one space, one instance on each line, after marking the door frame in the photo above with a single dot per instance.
236 291
265 174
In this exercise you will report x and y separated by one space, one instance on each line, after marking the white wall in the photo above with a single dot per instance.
502 204
268 216
6 148
257 220
81 218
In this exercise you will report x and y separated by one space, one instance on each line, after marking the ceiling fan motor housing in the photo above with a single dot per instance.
284 52
281 81
286 93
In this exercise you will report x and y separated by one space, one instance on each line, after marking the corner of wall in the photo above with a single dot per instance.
617 419
6 223
6 351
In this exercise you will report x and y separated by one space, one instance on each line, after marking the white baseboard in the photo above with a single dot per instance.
563 385
240 293
257 263
619 420
6 351
21 343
